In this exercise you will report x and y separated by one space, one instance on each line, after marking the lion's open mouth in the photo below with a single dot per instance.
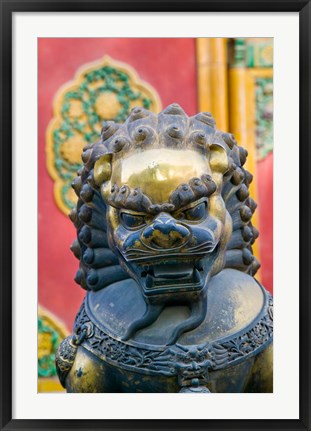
170 277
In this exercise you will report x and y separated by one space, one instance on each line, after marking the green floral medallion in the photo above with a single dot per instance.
105 91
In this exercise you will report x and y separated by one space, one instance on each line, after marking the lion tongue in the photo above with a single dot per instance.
173 271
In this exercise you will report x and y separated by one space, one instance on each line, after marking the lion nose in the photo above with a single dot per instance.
165 233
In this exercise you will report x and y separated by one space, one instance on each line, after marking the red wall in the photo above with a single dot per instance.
265 208
161 63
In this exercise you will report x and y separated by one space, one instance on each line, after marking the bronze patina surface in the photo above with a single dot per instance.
165 248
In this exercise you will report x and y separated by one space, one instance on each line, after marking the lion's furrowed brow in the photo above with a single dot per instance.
138 201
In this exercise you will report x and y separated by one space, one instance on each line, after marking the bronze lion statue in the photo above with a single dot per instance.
165 248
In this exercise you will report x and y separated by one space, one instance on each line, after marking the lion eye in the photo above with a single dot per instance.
196 213
132 221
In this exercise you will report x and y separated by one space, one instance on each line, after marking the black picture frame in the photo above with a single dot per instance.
7 10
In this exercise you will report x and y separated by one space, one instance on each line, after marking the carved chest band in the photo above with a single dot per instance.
185 361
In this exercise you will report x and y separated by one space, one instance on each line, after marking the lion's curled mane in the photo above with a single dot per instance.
98 263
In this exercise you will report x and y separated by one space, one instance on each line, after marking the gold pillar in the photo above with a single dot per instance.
242 115
230 95
212 79
242 108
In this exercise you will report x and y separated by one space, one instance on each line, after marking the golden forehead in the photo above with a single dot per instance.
158 172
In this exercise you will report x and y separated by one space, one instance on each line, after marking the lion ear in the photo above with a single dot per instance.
218 159
102 169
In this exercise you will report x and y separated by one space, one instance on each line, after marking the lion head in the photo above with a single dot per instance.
166 197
